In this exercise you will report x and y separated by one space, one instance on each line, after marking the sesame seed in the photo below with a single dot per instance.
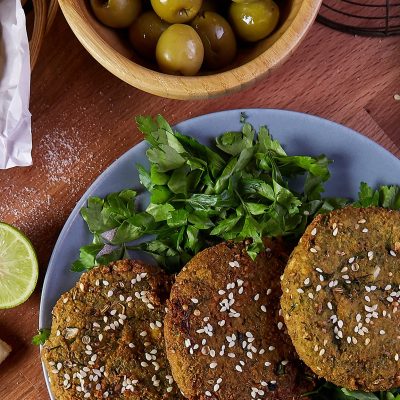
322 352
271 348
314 232
382 332
335 232
310 295
307 281
238 368
195 301
313 250
299 290
396 357
355 267
267 363
351 260
280 325
392 253
365 230
330 305
110 293
318 288
213 365
319 270
263 308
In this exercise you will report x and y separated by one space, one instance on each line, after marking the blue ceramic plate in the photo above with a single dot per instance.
356 159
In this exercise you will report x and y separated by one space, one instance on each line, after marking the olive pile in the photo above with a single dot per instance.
186 35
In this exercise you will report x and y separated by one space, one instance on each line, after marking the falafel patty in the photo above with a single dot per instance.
107 336
341 298
225 338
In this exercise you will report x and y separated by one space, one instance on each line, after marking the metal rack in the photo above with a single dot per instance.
362 17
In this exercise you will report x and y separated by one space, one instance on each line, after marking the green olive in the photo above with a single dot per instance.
180 50
116 13
145 32
254 21
218 39
176 11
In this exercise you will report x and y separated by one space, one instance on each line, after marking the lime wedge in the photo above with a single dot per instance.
18 267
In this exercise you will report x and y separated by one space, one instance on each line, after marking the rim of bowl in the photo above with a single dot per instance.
190 87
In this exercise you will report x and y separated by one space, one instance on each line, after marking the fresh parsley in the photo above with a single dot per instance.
199 195
328 391
41 337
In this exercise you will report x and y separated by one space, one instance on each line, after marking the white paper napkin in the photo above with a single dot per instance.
15 118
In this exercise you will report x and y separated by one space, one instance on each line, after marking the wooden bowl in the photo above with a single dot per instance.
113 51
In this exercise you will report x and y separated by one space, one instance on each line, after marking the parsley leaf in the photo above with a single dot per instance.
41 337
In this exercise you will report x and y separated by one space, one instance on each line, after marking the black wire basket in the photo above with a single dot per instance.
362 17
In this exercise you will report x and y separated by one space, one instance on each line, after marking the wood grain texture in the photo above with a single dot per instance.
250 65
83 121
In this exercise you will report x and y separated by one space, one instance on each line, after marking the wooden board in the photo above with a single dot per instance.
83 120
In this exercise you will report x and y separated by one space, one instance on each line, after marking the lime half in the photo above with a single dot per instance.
18 267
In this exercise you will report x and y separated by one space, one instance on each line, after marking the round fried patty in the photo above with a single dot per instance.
107 336
225 338
341 298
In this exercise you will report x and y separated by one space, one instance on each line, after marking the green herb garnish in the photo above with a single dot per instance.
41 337
199 196
329 391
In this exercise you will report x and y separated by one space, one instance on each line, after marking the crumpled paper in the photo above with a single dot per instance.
15 118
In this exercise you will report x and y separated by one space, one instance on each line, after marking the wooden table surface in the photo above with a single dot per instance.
82 120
